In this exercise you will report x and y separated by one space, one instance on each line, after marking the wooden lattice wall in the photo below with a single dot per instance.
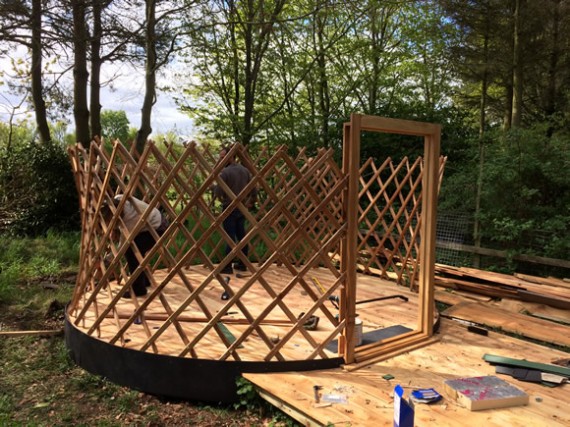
300 224
297 224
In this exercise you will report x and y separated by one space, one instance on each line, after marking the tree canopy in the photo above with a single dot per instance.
494 73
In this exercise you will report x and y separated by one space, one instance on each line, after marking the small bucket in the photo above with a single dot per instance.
357 332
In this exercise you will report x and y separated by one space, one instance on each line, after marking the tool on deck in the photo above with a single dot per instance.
311 323
335 300
243 275
405 298
316 389
226 294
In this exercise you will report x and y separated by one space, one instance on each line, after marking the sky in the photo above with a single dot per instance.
126 94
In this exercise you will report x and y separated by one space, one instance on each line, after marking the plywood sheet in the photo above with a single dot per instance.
458 353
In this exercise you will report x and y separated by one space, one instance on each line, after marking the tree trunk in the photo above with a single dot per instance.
323 91
257 34
80 74
555 52
95 104
517 66
248 91
375 53
150 76
235 71
482 126
36 73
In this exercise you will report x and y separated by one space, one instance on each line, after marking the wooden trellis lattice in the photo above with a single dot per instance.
389 218
297 224
316 223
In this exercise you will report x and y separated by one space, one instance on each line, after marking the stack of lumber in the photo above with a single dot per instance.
550 291
528 306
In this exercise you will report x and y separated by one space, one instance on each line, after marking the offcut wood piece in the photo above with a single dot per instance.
552 281
46 333
500 284
542 311
485 392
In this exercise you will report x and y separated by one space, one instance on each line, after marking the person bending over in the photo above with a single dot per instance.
132 211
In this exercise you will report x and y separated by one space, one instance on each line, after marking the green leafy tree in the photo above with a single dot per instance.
115 125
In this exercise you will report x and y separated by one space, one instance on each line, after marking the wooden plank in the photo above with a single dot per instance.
304 418
533 309
477 288
515 323
398 126
505 254
45 333
552 301
552 281
501 285
430 186
351 167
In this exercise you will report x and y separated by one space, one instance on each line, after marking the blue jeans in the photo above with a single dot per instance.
234 225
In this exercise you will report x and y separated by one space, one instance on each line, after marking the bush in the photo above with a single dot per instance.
525 193
37 190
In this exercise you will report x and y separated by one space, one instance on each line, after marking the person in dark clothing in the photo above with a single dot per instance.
236 177
132 211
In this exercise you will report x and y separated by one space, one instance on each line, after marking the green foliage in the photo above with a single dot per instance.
13 135
248 398
24 260
37 189
6 406
10 273
525 194
115 125
314 71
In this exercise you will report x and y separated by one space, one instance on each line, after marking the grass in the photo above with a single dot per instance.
39 383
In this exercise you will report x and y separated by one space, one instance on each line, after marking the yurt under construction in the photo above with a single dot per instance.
325 229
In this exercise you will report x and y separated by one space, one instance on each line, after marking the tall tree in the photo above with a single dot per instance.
231 57
160 34
21 24
518 46
97 7
36 72
80 73
150 74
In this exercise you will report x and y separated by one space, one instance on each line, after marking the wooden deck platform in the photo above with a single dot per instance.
374 315
458 353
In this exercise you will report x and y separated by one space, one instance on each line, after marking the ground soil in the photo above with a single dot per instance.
40 387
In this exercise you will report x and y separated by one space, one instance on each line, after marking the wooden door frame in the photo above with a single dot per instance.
431 134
